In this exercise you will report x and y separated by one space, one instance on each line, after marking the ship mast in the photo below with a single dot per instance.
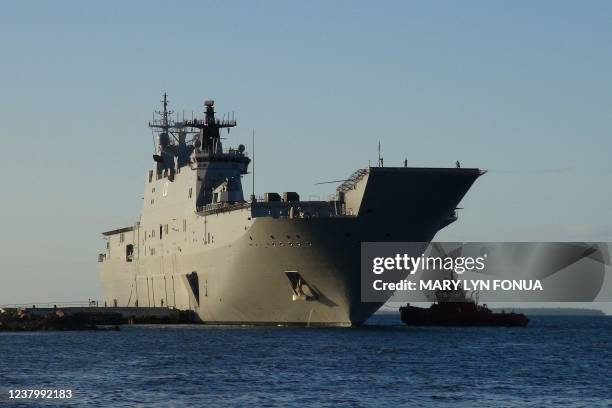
163 123
164 149
210 138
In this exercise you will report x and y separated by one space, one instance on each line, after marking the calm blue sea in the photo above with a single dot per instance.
554 361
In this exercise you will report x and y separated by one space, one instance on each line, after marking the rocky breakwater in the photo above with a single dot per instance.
18 319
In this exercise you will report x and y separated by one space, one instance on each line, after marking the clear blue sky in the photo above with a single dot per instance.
523 89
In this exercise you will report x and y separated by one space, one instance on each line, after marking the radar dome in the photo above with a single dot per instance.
241 148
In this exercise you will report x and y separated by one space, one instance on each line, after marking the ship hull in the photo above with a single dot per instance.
246 282
243 275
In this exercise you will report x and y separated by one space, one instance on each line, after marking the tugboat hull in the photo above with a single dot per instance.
417 316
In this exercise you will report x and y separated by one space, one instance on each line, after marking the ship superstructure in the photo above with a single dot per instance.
200 245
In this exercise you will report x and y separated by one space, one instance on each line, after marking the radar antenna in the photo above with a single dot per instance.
163 123
209 137
165 149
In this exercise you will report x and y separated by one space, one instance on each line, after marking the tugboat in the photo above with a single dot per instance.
455 308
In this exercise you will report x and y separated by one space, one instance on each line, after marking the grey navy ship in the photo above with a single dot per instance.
200 245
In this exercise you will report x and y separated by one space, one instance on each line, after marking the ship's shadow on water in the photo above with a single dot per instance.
553 361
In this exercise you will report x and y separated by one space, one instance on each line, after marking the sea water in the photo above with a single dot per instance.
554 360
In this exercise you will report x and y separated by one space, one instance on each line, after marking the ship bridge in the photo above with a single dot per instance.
218 170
